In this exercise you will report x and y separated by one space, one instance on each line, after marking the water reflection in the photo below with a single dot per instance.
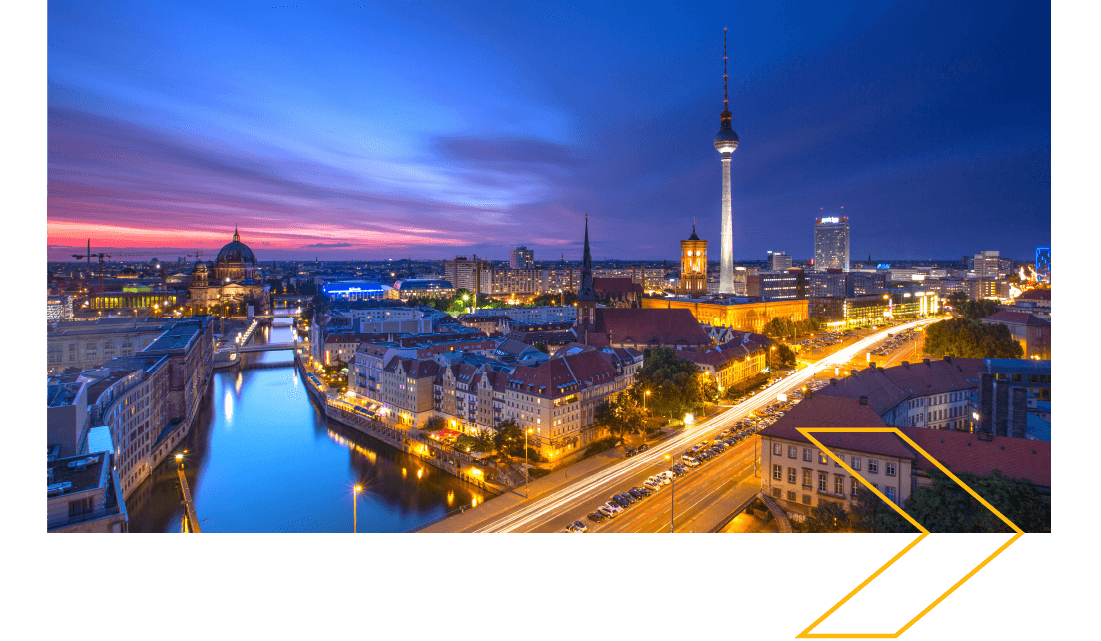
263 459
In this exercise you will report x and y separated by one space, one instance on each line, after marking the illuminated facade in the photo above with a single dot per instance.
831 243
230 286
693 265
745 316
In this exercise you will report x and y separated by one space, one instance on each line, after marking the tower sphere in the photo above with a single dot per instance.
726 141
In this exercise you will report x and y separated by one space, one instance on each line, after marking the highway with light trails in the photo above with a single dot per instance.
572 502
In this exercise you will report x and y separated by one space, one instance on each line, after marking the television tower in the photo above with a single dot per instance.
726 141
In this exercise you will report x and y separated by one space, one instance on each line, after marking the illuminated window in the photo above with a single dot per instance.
822 458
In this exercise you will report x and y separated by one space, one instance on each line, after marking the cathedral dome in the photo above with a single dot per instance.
236 252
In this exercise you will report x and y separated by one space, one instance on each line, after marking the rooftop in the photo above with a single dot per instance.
963 452
824 411
80 473
1016 318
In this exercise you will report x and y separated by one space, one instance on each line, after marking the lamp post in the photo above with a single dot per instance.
644 402
672 494
179 460
526 432
355 503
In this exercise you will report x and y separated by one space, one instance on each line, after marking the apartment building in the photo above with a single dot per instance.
82 495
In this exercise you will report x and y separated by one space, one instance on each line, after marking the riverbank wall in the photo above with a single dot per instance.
458 464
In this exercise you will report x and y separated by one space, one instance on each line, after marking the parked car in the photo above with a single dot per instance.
691 462
613 508
629 453
578 526
645 491
607 512
636 493
596 517
626 497
619 500
642 448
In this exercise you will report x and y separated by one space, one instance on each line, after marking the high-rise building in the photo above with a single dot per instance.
1043 262
831 243
726 141
778 261
693 265
522 258
986 264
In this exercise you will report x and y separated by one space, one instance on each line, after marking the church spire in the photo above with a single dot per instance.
236 236
586 292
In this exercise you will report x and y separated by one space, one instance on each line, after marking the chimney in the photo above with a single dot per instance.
864 400
926 361
947 359
906 364
871 365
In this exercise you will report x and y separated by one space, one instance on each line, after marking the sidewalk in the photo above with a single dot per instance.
498 505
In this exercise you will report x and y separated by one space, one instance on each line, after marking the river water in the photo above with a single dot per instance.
262 458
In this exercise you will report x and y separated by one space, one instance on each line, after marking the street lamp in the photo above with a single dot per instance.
526 432
644 400
355 502
672 493
179 460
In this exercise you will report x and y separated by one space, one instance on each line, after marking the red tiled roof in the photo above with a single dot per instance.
1015 318
668 327
963 452
551 378
1036 294
616 286
824 411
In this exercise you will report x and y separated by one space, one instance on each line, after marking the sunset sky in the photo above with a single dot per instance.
375 130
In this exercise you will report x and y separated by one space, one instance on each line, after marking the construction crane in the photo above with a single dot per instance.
104 255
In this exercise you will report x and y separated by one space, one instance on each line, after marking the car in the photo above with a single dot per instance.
667 474
702 443
691 462
654 487
638 495
596 517
642 448
619 500
629 453
613 508
645 491
607 512
626 497
576 527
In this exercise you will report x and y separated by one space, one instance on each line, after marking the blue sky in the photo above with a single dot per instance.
375 130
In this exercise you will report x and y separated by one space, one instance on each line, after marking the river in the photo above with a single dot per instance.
262 458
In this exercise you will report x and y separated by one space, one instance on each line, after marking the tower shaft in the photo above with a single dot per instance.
726 256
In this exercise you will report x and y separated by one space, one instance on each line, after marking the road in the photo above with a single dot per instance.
553 511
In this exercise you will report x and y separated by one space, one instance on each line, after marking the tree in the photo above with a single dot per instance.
435 423
483 440
604 415
509 440
541 346
671 381
947 507
827 516
870 513
966 338
784 356
956 300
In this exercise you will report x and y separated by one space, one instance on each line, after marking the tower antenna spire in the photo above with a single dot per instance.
726 102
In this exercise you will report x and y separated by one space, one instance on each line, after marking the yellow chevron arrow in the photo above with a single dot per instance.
807 634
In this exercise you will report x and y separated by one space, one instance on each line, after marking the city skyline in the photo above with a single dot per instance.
512 147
